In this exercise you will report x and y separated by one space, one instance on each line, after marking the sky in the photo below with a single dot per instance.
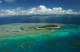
39 6
31 3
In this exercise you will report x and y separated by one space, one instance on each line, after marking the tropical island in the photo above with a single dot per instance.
51 26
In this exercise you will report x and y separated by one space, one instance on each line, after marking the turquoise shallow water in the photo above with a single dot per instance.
65 39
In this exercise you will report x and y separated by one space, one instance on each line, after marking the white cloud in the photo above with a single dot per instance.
1 1
41 10
7 1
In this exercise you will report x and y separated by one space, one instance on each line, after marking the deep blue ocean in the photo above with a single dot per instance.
65 19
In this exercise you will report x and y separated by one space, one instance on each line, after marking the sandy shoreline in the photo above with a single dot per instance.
25 28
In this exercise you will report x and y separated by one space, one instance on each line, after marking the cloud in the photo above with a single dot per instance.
57 10
40 10
1 1
7 1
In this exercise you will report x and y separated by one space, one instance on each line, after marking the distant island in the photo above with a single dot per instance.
49 26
